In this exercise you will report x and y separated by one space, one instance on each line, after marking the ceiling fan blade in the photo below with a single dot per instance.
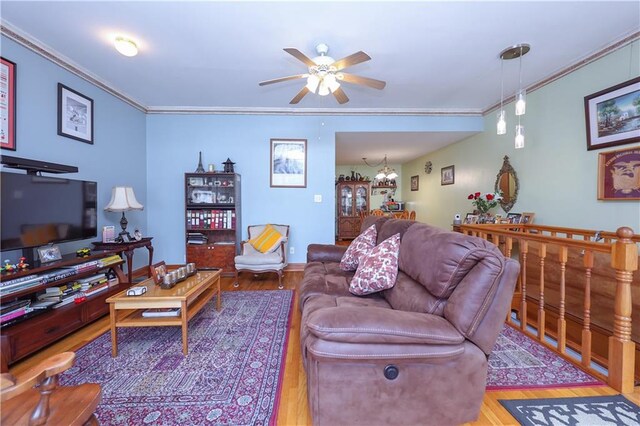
341 97
300 56
278 80
371 82
351 60
299 96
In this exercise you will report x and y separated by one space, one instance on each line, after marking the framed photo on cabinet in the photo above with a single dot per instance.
75 115
288 163
619 175
7 104
612 115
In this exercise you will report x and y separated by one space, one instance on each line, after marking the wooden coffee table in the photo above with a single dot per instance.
190 296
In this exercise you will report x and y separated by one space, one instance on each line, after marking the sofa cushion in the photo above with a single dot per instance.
358 248
409 295
381 325
394 226
378 269
268 240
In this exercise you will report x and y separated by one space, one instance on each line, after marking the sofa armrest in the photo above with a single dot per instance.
382 326
325 253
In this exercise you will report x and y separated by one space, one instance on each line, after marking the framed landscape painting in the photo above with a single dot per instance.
613 115
619 174
288 163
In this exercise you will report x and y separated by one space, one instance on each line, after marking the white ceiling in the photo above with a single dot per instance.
434 56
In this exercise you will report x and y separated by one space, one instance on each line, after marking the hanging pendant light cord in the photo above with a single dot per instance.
520 70
501 82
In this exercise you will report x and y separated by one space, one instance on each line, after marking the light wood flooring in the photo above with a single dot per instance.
293 409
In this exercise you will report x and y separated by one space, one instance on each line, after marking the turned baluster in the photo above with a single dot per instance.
624 259
586 328
524 249
562 324
541 313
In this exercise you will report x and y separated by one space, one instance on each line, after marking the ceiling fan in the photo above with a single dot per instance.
325 74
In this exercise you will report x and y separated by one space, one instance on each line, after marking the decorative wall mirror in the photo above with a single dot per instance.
507 183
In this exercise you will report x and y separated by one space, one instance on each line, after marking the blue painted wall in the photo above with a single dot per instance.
174 140
117 157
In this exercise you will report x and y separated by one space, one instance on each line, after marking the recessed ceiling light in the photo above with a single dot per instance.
126 46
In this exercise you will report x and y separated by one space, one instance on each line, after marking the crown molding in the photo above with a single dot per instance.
310 111
611 47
57 58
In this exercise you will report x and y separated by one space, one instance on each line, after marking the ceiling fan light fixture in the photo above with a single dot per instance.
312 83
126 46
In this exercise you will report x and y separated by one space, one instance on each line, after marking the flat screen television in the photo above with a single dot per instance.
38 210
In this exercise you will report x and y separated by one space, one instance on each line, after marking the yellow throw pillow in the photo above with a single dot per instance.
268 240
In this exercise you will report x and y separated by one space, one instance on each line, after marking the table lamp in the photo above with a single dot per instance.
123 200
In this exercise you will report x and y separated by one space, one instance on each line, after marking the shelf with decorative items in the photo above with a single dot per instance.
212 220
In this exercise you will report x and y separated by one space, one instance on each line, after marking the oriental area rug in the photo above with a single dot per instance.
581 411
231 375
519 362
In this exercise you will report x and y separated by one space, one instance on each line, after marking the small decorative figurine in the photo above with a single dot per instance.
200 168
8 267
83 252
137 235
228 166
23 265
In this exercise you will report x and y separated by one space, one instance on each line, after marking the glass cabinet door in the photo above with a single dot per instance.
361 199
346 201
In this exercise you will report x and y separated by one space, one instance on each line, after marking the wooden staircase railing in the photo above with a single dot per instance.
550 264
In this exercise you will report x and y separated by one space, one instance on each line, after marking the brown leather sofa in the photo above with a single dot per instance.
415 354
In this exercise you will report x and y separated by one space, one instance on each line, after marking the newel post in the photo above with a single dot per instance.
624 259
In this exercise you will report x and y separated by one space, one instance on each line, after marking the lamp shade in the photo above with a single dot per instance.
123 199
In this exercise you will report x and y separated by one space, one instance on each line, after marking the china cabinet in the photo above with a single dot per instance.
352 202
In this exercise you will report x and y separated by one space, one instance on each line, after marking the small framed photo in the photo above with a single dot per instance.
288 163
611 115
125 238
527 218
158 271
49 253
471 219
447 175
619 175
415 182
514 218
75 115
8 105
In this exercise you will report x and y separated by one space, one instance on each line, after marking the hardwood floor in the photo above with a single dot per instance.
293 409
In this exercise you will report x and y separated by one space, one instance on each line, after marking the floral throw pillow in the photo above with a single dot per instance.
377 270
358 248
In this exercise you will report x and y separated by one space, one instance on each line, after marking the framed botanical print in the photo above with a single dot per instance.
447 175
7 104
75 115
415 182
288 163
613 115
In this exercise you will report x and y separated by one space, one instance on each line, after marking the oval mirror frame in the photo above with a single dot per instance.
510 199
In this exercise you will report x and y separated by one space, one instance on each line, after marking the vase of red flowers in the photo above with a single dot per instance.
484 202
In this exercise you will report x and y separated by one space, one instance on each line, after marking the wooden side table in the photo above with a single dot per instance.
127 249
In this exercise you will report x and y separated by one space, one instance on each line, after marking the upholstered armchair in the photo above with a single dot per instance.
257 262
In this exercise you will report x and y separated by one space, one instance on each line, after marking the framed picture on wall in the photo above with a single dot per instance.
619 174
415 182
75 115
613 115
288 163
447 175
7 104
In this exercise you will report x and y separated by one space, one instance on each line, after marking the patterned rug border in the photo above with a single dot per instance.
512 405
595 383
283 360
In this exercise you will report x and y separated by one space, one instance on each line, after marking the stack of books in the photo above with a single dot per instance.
18 284
196 238
13 311
161 312
109 260
61 295
93 284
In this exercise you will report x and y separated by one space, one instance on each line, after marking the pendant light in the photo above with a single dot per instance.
501 119
513 52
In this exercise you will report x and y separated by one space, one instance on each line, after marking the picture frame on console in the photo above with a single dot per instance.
619 175
288 163
8 104
49 253
611 117
75 115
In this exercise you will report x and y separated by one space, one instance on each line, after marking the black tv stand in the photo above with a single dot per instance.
35 167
